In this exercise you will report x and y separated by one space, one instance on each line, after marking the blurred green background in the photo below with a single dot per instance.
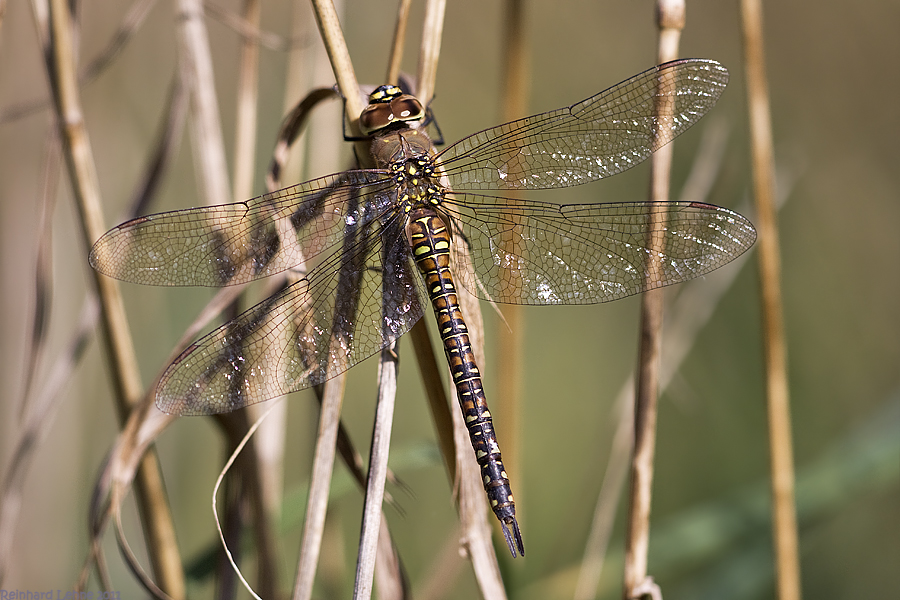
834 87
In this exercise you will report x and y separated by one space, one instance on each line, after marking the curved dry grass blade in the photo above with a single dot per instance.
244 494
154 510
268 586
123 469
138 434
787 566
670 20
144 425
133 564
132 448
291 127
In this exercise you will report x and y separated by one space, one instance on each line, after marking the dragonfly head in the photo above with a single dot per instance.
388 106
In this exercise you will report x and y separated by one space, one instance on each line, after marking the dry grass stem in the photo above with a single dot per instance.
378 459
206 129
471 500
291 127
390 576
438 402
473 505
510 335
320 484
430 52
691 310
670 20
154 511
247 106
774 344
339 57
329 421
144 425
366 560
265 461
398 43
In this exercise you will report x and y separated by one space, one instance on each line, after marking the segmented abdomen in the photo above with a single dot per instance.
430 244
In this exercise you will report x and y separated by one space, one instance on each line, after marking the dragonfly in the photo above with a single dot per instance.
380 245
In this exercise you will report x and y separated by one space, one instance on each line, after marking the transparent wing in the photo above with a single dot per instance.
601 136
236 243
354 304
523 252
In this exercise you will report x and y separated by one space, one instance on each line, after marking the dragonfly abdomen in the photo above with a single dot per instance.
430 244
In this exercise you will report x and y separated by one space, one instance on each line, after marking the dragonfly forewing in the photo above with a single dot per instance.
598 137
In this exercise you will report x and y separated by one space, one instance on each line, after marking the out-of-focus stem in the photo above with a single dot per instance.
774 345
154 509
510 333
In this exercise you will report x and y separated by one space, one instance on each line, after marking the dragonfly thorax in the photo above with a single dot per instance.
416 183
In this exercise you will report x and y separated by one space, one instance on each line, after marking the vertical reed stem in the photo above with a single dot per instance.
670 20
774 344
329 420
510 334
